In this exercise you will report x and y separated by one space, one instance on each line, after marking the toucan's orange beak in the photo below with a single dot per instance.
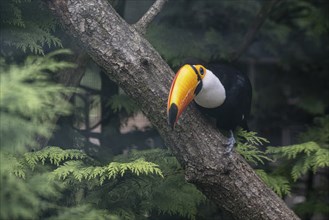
181 92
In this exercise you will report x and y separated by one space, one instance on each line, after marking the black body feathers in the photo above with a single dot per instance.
236 108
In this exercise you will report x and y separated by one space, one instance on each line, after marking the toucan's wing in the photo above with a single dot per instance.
238 93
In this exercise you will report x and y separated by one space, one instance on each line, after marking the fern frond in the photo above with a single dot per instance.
247 145
25 195
137 167
291 152
184 198
12 164
279 184
29 100
31 38
25 32
309 155
164 158
250 137
320 159
313 162
12 14
170 195
141 166
55 155
80 171
20 201
300 167
252 154
64 171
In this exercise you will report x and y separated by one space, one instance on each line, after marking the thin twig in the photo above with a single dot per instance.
148 17
255 26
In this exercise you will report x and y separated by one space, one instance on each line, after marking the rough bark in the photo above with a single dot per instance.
148 17
137 67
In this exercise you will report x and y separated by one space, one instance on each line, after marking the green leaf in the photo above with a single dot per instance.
279 184
291 152
248 146
29 100
122 102
320 159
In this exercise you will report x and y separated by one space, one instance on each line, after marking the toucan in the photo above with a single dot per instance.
218 90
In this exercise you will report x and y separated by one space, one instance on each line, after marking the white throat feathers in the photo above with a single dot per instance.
212 93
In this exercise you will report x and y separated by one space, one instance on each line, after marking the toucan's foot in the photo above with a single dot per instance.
230 144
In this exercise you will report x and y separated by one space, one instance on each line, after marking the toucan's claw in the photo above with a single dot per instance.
230 144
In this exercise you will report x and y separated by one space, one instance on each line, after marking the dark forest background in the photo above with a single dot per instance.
73 145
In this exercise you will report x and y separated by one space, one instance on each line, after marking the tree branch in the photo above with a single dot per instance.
148 17
137 67
253 30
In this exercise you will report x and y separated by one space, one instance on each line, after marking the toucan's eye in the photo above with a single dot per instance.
201 71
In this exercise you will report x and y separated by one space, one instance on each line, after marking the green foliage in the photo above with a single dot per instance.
308 156
291 152
84 212
279 184
55 155
68 184
314 205
38 195
22 31
248 144
124 187
15 166
73 169
79 171
196 29
319 132
121 102
71 163
25 196
18 201
29 100
305 157
53 183
312 105
169 195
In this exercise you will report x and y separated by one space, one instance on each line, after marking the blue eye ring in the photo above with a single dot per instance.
201 71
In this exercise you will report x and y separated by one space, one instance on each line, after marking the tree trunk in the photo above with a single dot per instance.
137 67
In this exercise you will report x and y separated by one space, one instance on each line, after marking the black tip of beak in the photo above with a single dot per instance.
172 115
